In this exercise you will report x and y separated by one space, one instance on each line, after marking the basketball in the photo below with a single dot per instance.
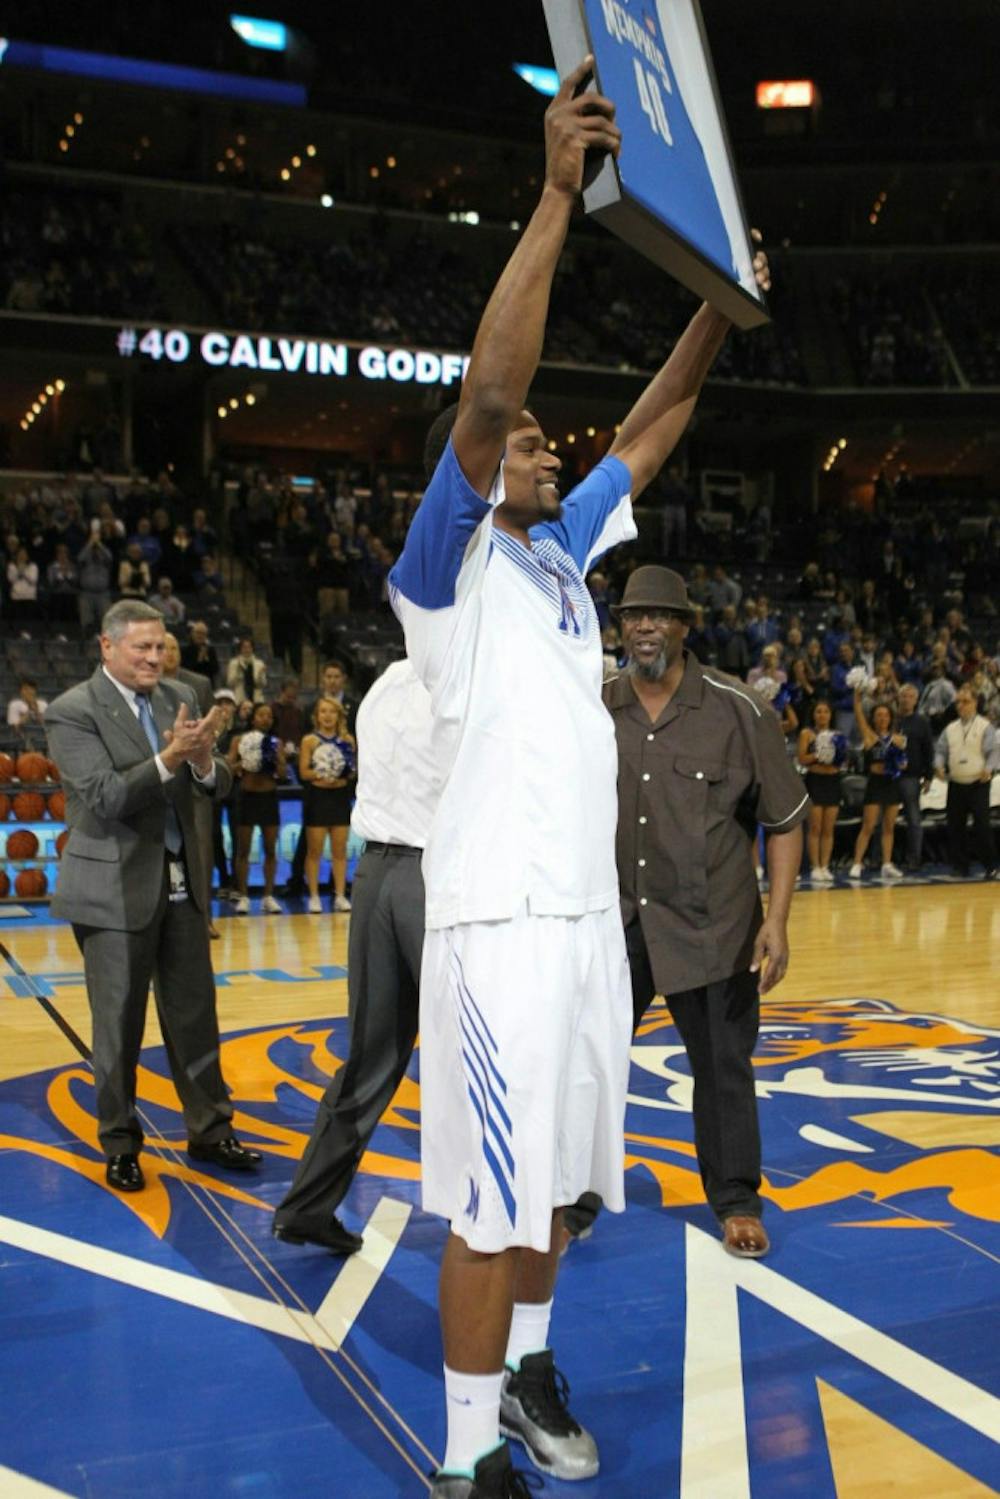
31 882
7 767
29 806
22 844
4 807
4 884
57 807
32 767
61 841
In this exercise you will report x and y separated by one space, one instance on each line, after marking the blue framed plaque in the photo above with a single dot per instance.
673 193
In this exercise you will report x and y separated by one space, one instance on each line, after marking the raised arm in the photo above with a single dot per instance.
861 719
508 344
657 421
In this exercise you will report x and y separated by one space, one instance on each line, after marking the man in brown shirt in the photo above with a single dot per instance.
702 762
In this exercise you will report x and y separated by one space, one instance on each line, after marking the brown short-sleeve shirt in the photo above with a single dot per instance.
692 788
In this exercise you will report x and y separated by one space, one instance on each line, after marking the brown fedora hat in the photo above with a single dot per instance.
654 587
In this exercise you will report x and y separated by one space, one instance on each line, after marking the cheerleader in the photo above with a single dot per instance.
823 754
885 761
258 759
327 769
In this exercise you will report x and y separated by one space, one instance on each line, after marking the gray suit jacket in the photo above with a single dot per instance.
201 687
111 873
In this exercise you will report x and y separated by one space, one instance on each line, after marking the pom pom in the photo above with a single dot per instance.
857 677
258 752
767 687
825 747
328 761
895 761
250 750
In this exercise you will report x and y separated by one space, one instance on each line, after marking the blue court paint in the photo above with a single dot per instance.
111 1390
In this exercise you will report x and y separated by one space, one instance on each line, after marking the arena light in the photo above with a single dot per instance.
36 407
144 73
272 36
543 80
326 200
798 93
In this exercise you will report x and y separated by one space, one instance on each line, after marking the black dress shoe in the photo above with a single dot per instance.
333 1236
227 1153
125 1174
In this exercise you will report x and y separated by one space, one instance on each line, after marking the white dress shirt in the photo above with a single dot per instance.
130 696
399 775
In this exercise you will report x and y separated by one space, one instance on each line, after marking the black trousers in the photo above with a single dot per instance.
383 974
173 953
718 1024
965 802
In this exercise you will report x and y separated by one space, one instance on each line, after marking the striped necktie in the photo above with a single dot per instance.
172 835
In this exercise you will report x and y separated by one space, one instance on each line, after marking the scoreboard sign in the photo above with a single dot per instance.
672 194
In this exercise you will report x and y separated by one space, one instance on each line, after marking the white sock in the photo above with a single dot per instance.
529 1330
473 1409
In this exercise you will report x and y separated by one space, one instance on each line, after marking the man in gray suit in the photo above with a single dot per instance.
134 756
200 685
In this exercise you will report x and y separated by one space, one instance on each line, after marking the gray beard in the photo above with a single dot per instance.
651 673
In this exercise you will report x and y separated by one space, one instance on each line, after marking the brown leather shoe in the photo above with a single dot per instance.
745 1236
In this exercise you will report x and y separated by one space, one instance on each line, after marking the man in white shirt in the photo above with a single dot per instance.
966 755
525 999
399 782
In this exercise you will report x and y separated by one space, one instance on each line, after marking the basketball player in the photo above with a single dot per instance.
525 999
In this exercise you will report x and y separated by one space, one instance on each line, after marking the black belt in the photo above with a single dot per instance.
391 848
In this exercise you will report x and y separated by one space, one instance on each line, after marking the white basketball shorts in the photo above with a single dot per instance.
525 1031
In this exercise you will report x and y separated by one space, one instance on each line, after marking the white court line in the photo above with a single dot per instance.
957 1397
20 1486
816 1134
714 1459
341 1305
712 1353
340 1308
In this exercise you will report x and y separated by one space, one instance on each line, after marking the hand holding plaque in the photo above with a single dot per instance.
577 122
